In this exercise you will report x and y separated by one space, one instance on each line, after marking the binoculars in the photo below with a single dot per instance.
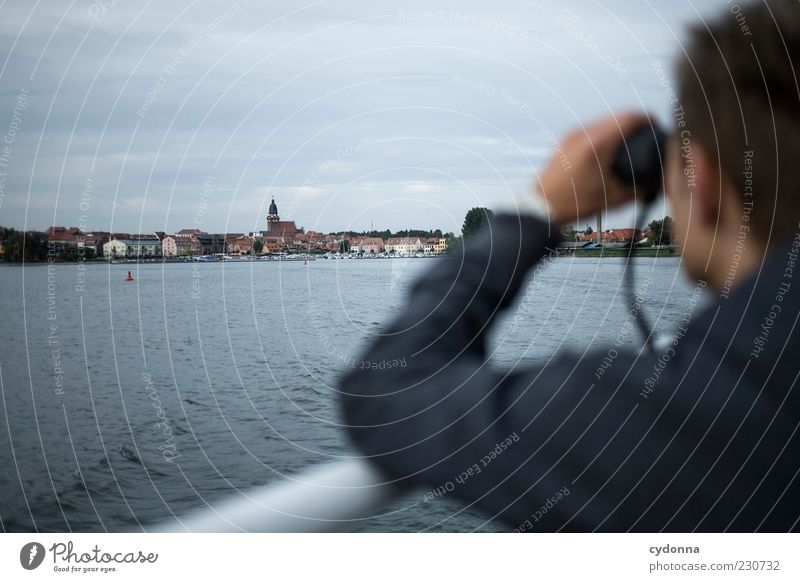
639 161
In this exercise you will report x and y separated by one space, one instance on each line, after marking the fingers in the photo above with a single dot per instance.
608 133
630 121
589 185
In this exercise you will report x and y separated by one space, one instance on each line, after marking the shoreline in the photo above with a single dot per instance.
576 254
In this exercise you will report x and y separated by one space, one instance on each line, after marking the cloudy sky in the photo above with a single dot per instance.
161 115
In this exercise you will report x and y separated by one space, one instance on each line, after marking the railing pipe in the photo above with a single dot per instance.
331 497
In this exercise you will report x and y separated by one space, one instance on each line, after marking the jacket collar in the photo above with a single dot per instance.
758 320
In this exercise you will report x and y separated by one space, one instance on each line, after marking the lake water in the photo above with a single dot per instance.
122 403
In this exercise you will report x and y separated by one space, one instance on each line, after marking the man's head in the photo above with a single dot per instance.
733 173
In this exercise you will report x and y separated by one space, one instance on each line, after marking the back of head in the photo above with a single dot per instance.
740 92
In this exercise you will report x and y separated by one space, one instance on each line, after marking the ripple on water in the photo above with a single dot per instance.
245 375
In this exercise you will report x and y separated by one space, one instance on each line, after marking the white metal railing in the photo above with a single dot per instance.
330 497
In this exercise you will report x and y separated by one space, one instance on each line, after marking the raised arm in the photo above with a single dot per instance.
428 408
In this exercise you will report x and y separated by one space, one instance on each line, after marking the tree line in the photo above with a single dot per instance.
21 246
387 234
660 231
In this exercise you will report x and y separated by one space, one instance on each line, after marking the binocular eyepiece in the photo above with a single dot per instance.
639 161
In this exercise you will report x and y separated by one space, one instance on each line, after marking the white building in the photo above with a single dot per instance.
115 248
368 245
404 245
136 247
429 246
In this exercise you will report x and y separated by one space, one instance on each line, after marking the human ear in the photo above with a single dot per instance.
705 183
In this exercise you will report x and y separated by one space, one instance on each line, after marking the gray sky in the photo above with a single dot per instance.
176 114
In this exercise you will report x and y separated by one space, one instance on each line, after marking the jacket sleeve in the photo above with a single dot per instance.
544 448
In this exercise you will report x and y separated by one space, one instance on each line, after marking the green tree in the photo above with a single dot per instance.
258 246
667 234
453 243
28 246
568 233
475 219
344 246
661 231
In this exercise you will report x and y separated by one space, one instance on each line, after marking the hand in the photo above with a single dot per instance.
579 182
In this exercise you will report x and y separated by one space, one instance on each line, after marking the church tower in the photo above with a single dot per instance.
272 217
278 227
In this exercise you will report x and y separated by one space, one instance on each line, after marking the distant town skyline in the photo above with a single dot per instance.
195 114
456 230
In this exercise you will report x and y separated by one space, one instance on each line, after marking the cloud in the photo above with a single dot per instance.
465 97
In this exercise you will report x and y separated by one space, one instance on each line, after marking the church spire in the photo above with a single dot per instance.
272 217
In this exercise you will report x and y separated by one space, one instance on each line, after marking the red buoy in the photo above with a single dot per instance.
129 277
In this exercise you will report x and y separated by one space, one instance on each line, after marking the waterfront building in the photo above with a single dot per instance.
621 235
132 247
202 243
404 245
169 248
369 245
274 244
429 244
320 241
95 240
238 244
61 239
180 246
211 244
115 248
612 235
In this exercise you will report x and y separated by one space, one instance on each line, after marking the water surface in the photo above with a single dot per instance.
123 403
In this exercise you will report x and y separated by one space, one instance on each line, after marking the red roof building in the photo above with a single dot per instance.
276 226
371 245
